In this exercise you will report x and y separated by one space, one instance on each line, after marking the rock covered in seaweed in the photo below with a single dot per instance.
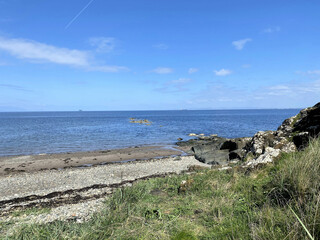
140 121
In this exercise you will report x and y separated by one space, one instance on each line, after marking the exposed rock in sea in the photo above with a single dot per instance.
140 121
293 134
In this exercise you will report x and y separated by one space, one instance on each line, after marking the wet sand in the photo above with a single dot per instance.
31 163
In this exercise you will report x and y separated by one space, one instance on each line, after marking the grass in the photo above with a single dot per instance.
277 201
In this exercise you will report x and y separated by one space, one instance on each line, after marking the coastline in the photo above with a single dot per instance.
81 191
72 193
32 163
80 181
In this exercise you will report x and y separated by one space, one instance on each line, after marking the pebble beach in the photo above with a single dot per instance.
74 193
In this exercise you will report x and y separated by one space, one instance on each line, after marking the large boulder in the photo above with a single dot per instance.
208 150
217 150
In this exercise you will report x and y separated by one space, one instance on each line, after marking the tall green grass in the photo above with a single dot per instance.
277 201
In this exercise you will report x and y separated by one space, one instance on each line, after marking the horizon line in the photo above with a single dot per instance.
154 110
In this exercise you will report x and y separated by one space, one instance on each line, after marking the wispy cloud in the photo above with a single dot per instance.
294 89
239 44
26 49
103 44
106 68
313 72
246 66
178 85
180 81
218 95
14 87
44 53
271 29
284 95
162 70
279 90
161 46
222 72
193 70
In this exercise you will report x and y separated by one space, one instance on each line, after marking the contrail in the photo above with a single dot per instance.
68 25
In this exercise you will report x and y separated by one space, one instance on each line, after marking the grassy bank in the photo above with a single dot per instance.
277 201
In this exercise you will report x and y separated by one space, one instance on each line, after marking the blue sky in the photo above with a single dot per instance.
157 55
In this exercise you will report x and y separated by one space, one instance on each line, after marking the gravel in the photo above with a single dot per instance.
83 184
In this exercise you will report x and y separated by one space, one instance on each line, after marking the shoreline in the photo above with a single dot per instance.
32 163
67 188
172 144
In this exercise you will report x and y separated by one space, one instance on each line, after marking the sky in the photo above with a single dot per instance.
100 55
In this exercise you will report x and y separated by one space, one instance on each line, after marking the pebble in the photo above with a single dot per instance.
82 181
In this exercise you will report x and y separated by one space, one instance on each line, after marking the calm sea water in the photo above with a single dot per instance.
53 132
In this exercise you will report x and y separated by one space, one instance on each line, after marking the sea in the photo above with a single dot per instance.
26 133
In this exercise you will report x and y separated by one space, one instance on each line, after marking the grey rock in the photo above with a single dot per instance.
217 150
266 157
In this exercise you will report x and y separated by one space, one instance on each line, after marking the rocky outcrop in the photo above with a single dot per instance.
217 150
293 134
306 125
265 146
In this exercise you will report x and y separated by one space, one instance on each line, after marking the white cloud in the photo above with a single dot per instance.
222 72
295 89
42 53
177 85
193 70
285 95
107 68
26 49
14 87
272 29
102 44
161 46
180 81
239 44
162 70
279 90
279 87
314 72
